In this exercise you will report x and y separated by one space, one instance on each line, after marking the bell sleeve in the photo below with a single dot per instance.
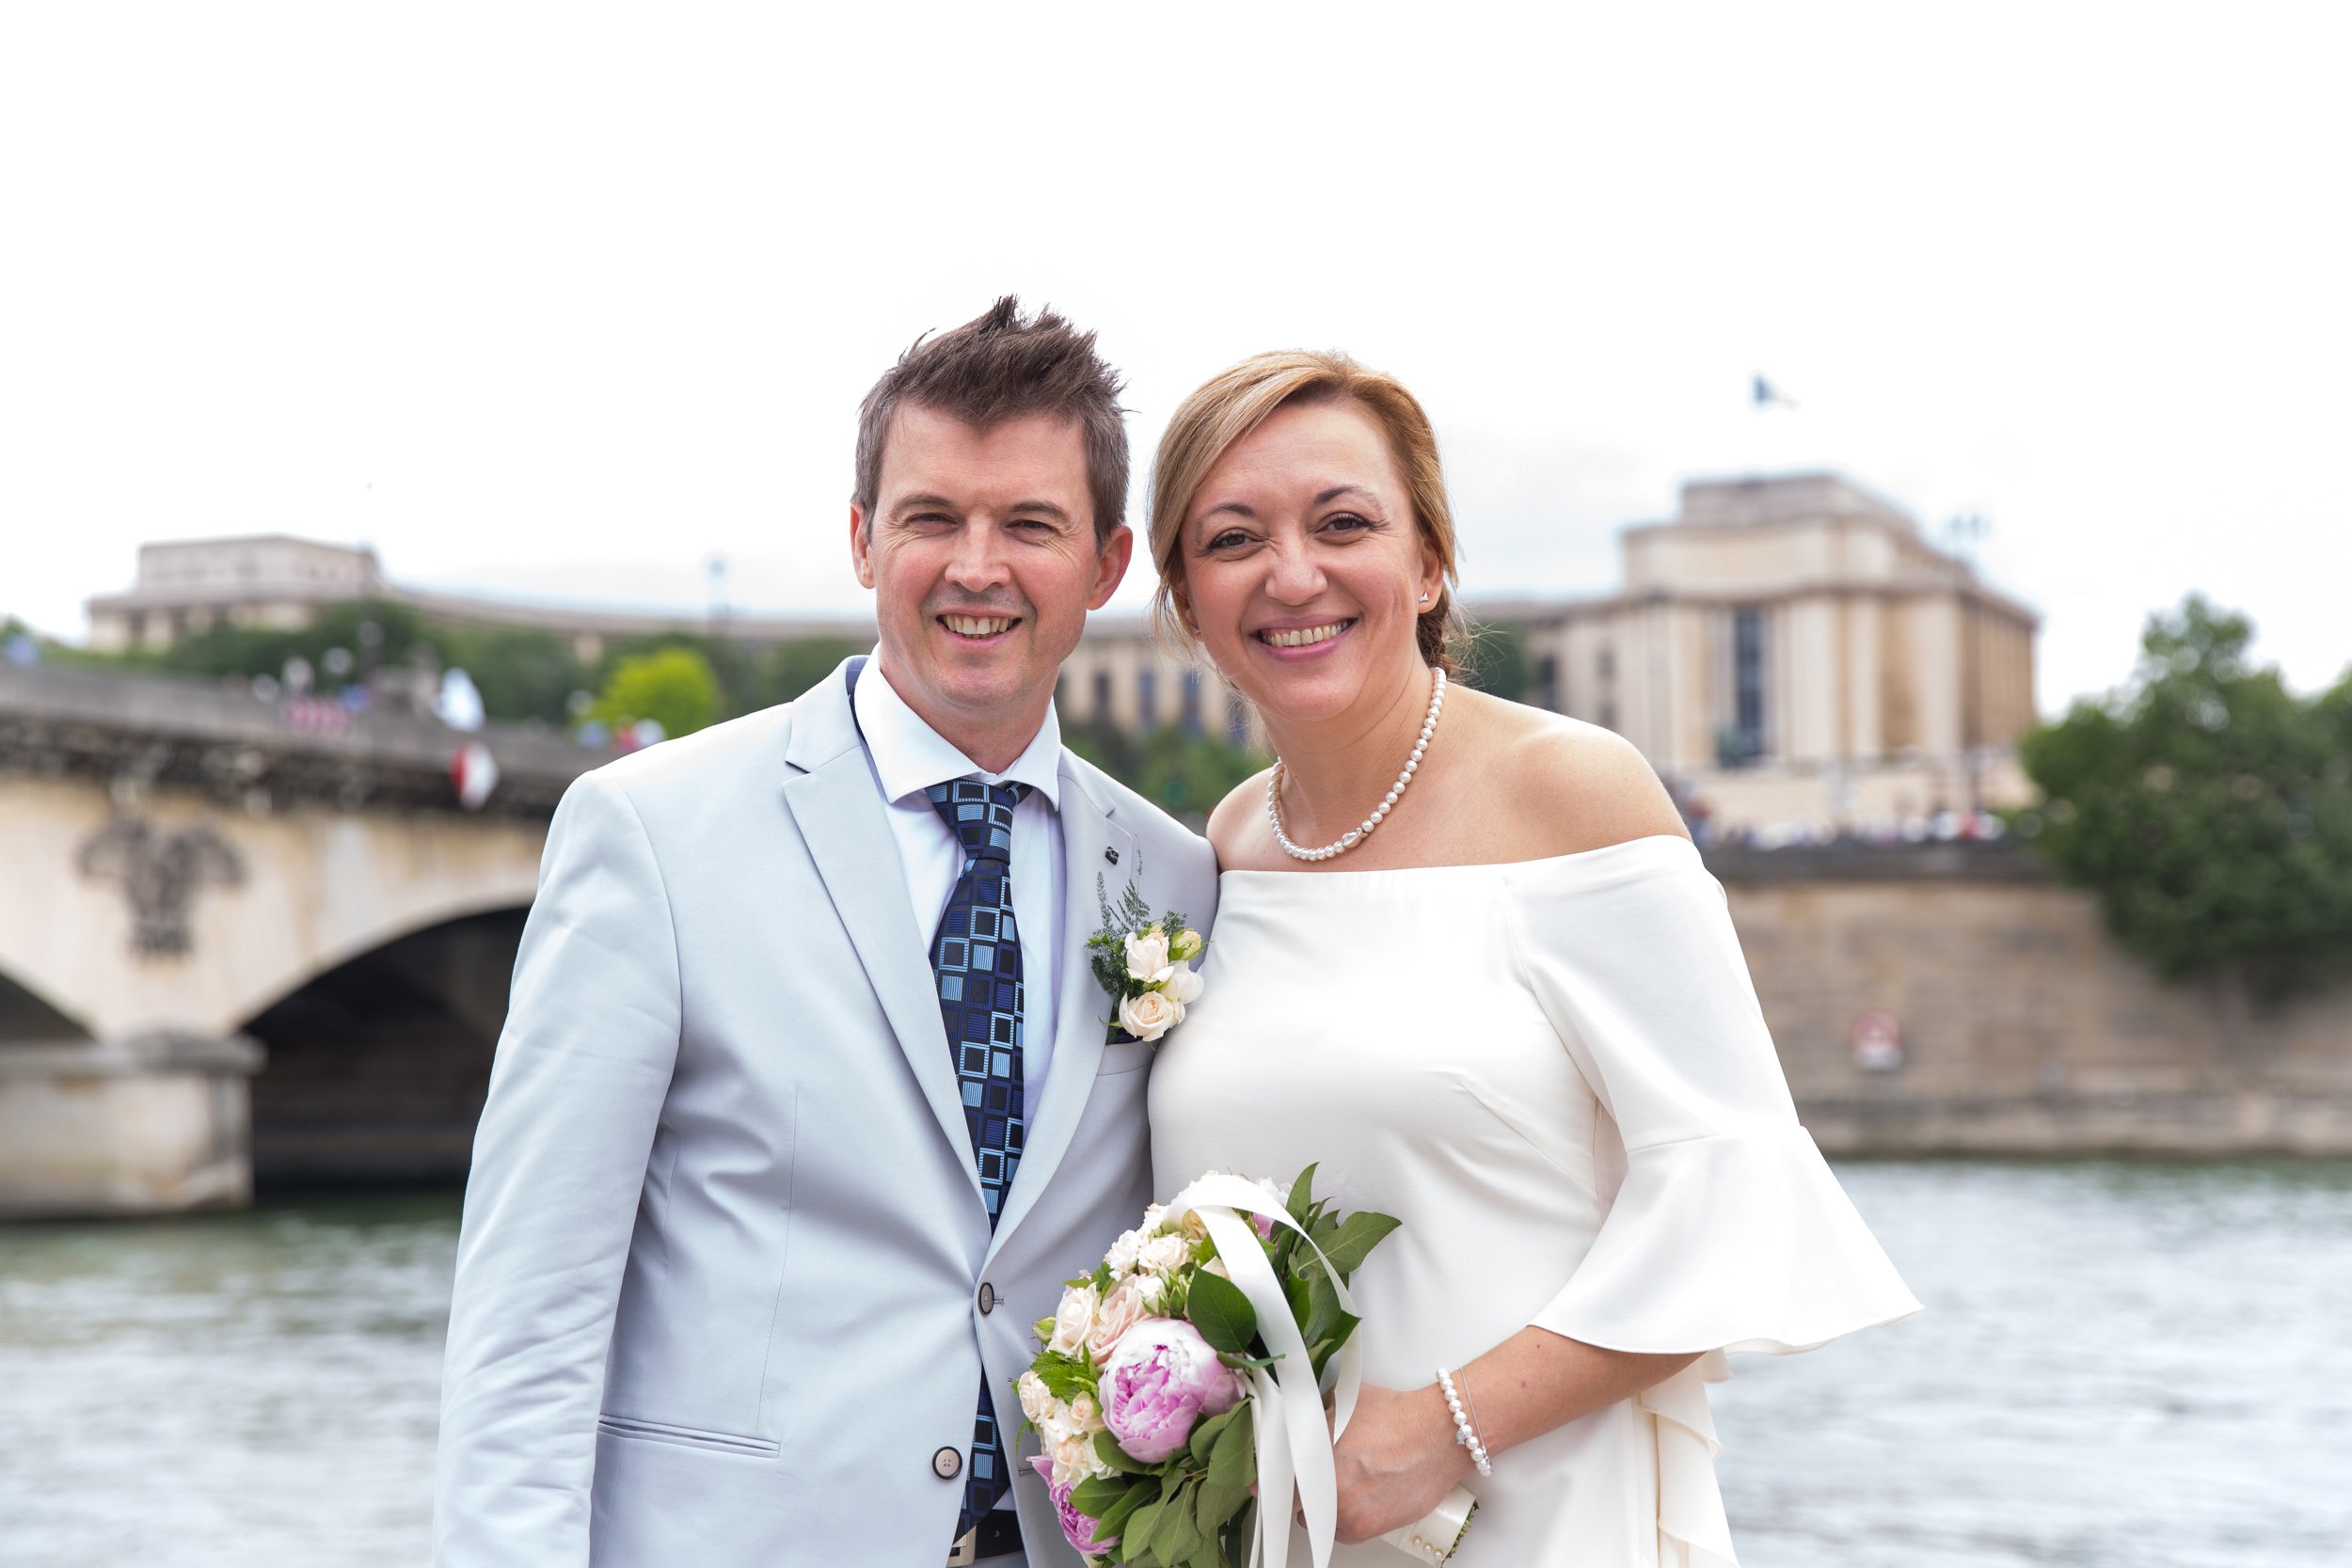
1727 1232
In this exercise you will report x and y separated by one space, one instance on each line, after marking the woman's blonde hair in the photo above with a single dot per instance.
1236 402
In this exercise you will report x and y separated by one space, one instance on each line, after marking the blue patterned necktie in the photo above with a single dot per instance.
976 960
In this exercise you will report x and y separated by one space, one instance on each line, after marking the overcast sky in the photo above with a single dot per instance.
570 300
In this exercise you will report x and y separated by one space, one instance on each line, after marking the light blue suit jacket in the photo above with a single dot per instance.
719 1287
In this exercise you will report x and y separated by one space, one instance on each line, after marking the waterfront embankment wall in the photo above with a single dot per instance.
2023 1029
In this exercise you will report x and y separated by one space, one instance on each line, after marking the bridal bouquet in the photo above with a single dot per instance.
1190 1364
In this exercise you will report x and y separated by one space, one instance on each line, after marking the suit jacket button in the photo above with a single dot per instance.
945 1462
988 1298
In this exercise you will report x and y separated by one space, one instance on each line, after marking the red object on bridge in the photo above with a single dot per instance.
474 772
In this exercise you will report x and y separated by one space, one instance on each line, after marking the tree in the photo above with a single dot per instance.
1186 774
673 687
2208 807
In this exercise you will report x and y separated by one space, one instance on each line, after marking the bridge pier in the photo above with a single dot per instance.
156 1123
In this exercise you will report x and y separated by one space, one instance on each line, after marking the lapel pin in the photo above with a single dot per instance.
1111 855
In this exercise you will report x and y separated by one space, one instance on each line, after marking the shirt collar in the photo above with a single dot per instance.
910 756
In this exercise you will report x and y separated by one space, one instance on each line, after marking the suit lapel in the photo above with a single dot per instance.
1080 1008
839 812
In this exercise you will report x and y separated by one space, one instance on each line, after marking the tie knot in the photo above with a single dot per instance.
979 814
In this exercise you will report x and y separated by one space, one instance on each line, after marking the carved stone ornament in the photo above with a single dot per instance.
160 873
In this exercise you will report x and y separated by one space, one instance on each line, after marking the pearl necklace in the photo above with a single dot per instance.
1356 835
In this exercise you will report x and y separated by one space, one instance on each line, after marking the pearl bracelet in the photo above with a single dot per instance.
1464 1433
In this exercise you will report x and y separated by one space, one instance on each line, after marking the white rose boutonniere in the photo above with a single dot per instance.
1145 965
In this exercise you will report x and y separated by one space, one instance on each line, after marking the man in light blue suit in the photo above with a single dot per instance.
803 1109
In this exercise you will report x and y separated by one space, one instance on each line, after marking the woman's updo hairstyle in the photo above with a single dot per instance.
1236 402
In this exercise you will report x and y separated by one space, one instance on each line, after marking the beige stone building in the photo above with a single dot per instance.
1793 653
269 580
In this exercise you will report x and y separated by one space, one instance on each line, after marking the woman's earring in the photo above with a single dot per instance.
1425 598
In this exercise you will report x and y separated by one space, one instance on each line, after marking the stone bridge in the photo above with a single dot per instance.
239 935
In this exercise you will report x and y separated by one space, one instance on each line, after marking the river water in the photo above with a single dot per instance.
2121 1364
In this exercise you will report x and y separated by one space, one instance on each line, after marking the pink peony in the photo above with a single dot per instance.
1124 1307
1159 1383
1077 1526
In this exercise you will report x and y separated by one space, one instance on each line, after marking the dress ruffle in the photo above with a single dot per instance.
1692 1530
1741 1241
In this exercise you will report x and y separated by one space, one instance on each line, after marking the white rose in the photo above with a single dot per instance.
1073 1319
1184 986
1085 1415
1187 945
1150 1015
1075 1459
1120 1260
1147 955
1153 1217
1035 1400
1164 1255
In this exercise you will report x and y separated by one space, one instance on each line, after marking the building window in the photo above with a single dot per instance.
1101 713
1608 714
1189 716
1605 664
1548 683
1744 744
1147 699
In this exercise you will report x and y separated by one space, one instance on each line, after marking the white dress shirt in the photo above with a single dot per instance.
908 757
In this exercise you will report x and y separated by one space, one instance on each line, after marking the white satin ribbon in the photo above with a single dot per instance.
1289 1401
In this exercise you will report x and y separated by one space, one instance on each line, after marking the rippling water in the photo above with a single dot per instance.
2120 1364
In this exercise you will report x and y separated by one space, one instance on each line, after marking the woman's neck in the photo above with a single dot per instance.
1335 771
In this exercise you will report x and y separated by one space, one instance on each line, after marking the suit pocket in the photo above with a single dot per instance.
686 1437
1125 1056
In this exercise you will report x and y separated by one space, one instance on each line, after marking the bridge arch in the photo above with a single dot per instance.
376 1067
28 1018
307 891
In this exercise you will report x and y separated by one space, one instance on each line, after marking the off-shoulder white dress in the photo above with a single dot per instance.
1556 1074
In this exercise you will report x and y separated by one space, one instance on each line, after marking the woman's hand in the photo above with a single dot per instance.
1396 1461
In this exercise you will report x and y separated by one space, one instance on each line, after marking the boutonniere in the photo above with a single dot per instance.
1145 965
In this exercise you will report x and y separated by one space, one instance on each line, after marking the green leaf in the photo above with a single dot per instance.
1294 1290
1302 1195
1223 1314
1173 1536
1214 1505
1135 1538
1065 1376
1097 1494
1204 1436
1234 1461
1130 1501
1107 1449
1357 1235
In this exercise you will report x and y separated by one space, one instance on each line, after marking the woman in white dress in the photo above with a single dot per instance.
1467 958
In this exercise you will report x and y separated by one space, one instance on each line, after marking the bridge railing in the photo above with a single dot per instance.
189 732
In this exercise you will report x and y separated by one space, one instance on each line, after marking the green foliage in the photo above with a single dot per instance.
2208 807
1065 1376
674 687
1223 1314
1186 774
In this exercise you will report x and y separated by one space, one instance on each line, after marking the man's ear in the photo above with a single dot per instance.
1110 565
861 546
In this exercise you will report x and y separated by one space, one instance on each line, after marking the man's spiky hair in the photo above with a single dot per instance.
998 367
